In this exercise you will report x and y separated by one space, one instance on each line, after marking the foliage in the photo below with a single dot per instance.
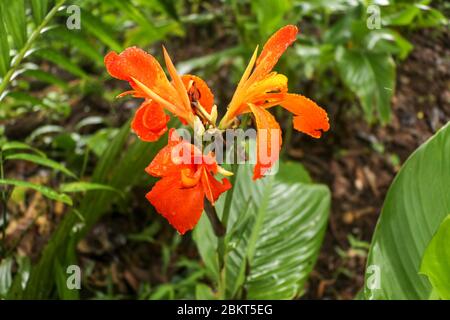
415 206
273 239
47 70
436 261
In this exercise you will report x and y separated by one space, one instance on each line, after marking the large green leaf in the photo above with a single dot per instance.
371 76
276 227
436 261
416 204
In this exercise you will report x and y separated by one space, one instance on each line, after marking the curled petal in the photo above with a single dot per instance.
268 141
212 187
309 118
181 206
273 49
136 63
198 90
150 121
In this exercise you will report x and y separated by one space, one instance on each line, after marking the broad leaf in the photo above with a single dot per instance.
276 227
371 76
436 260
416 204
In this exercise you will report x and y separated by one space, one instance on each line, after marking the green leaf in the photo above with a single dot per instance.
78 41
276 229
5 59
371 76
216 59
5 275
61 277
46 77
39 8
436 260
41 161
169 8
82 186
61 61
13 15
47 192
103 32
203 292
17 145
115 168
416 204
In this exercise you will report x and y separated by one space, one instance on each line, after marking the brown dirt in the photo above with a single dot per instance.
358 161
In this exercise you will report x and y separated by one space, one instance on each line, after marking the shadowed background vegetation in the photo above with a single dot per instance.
72 180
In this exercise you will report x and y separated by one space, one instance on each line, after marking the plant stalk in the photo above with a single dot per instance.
218 227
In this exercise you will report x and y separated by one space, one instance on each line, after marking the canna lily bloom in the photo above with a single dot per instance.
260 88
180 194
185 96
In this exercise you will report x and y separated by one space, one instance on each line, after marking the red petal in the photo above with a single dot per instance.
212 187
150 121
199 91
182 207
309 117
268 132
136 63
165 163
273 49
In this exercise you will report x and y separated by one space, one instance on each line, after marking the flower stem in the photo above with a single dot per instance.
218 227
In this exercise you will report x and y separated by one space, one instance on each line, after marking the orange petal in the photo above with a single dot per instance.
199 90
309 118
150 121
182 207
136 63
164 163
212 187
273 49
268 140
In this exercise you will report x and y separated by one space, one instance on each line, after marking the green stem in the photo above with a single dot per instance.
221 250
22 53
3 204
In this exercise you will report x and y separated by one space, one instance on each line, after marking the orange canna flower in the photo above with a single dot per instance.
187 175
260 88
180 97
179 195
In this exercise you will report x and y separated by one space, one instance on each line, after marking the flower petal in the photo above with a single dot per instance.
212 187
268 141
199 90
150 121
309 118
182 207
136 63
273 49
164 163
